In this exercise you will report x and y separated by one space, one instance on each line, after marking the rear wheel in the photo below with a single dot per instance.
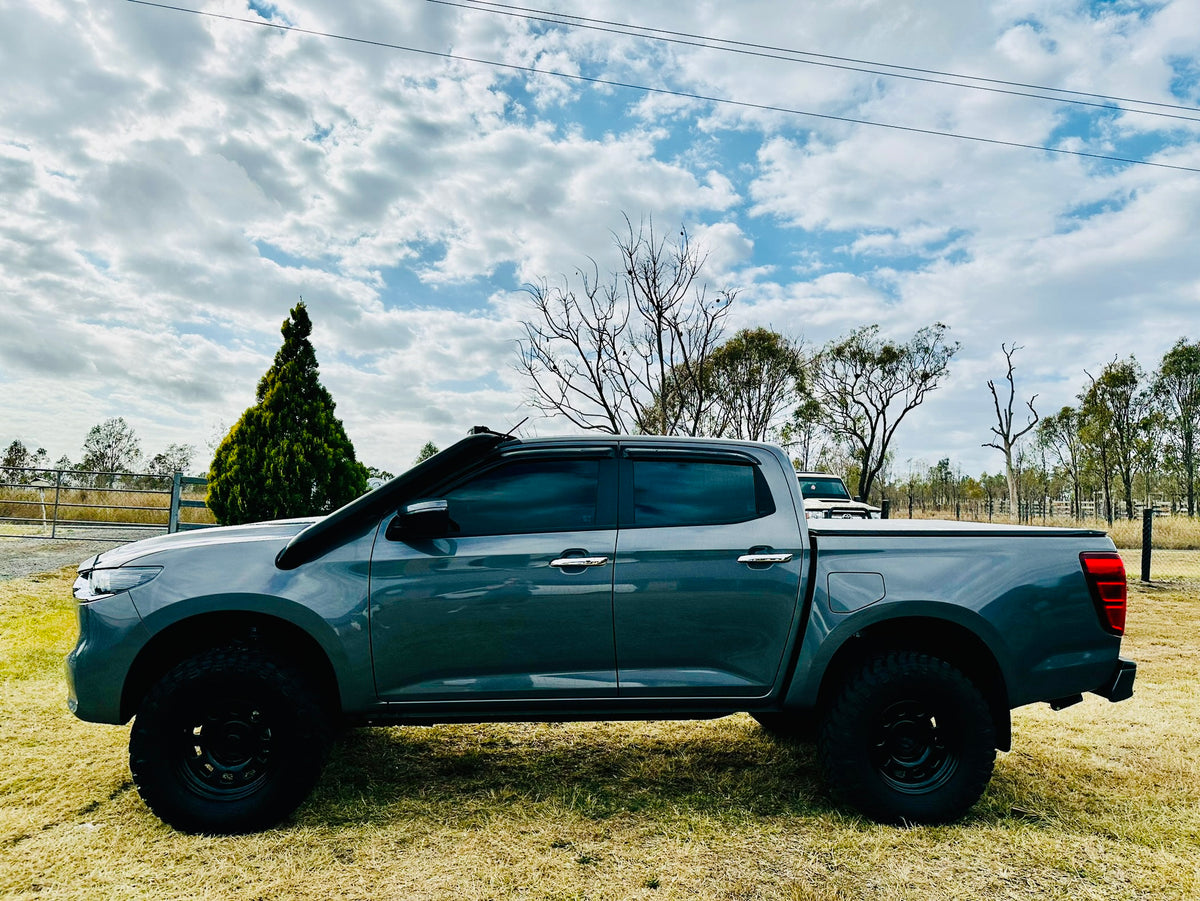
908 738
229 741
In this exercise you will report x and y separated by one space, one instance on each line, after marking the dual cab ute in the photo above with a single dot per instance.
586 579
826 497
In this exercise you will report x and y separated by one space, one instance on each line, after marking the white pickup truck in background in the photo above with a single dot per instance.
826 497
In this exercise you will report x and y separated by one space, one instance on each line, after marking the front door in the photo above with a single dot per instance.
516 601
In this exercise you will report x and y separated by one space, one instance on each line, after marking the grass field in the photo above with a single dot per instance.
1170 532
28 507
1099 801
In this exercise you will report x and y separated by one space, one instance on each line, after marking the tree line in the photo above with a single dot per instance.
644 350
1131 437
111 447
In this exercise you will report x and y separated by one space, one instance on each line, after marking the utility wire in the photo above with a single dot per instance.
663 91
745 47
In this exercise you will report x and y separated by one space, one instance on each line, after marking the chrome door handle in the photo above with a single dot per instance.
566 562
765 558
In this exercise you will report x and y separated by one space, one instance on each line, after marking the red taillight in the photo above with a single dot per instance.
1105 573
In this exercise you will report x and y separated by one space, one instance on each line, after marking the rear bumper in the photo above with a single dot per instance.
1119 686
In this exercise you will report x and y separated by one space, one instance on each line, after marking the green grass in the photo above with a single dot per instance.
1099 801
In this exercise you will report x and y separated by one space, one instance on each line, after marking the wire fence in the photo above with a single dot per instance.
1157 544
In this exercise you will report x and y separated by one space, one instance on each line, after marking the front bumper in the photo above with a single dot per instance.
110 635
1119 686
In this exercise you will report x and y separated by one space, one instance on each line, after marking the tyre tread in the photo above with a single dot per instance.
843 752
309 742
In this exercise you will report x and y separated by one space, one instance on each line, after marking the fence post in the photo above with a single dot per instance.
885 508
176 490
57 489
1147 540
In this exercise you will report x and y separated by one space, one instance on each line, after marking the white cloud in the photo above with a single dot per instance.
171 184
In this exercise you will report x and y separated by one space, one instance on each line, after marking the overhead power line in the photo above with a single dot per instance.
825 60
814 59
687 95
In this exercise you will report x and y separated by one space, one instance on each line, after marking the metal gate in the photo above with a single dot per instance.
68 503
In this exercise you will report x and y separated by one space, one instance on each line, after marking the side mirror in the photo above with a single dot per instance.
420 519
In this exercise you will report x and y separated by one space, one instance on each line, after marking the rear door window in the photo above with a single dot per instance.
697 493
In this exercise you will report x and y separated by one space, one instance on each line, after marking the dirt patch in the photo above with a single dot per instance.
26 556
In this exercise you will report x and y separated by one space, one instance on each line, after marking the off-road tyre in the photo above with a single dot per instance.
229 741
908 738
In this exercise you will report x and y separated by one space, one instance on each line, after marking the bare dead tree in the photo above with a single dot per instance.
1006 438
629 354
572 352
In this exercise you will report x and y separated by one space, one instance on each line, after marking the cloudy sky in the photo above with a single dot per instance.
171 183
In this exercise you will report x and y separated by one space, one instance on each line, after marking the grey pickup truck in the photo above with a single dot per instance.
589 578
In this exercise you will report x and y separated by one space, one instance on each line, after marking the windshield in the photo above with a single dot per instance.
829 488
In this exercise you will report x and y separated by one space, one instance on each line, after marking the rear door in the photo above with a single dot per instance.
708 575
517 601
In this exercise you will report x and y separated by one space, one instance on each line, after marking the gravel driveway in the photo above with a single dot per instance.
26 556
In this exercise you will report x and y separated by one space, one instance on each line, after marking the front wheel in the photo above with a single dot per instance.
229 741
908 738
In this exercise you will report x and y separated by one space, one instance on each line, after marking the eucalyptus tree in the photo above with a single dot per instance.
174 458
867 385
111 446
1177 383
1059 433
1113 410
803 434
428 449
18 459
755 378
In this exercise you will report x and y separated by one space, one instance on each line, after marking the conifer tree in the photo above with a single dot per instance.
288 455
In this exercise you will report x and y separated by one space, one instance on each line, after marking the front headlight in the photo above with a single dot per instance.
102 583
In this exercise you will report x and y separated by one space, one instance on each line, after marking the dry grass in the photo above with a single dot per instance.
78 505
1170 532
1165 566
1099 801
